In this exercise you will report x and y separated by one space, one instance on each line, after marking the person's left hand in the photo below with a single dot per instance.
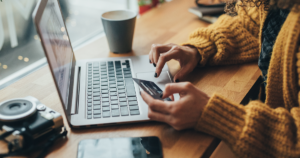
181 114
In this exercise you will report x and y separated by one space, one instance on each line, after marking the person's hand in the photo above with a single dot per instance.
187 56
181 114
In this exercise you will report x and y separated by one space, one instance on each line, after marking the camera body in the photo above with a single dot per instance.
24 120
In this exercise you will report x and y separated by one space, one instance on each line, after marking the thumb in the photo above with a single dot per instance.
173 88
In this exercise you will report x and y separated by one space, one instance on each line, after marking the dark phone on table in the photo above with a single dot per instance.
130 147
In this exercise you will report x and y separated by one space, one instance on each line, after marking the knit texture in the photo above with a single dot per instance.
258 129
272 26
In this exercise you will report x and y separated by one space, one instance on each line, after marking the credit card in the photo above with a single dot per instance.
151 88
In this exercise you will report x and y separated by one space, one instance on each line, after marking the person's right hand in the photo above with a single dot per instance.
187 56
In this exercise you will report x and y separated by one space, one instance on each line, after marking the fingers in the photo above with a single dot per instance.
156 105
171 54
156 49
172 88
156 116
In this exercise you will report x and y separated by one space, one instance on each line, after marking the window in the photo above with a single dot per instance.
20 48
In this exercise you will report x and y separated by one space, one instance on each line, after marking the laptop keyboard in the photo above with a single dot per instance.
110 90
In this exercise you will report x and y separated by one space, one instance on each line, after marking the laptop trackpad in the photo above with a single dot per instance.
161 81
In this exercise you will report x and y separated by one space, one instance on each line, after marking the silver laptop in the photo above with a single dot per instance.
93 92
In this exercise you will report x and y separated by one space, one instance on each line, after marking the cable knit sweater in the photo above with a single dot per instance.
270 129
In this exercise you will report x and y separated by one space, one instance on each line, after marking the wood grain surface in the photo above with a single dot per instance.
169 23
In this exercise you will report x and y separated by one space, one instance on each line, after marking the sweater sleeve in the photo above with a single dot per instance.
231 40
253 130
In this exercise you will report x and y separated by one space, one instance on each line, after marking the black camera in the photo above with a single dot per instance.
25 120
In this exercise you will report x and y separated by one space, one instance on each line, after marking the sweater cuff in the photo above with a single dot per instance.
203 46
222 119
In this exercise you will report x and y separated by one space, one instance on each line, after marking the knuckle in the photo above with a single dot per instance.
188 85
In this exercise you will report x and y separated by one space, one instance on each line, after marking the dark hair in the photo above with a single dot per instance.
231 6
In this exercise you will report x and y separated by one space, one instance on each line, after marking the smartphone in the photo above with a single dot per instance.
130 147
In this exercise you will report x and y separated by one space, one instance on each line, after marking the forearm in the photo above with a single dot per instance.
231 40
253 129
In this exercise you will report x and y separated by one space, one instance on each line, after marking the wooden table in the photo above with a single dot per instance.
169 23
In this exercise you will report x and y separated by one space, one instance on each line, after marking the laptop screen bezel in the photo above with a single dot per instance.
37 15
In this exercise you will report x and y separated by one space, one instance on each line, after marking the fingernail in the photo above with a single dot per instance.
149 61
154 64
177 80
161 96
155 75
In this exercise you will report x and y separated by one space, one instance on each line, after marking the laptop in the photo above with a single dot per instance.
95 92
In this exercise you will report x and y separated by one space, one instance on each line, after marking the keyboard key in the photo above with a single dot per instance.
131 98
119 73
89 97
119 76
104 83
127 76
114 106
89 108
112 79
89 93
121 87
89 104
123 99
112 85
89 90
113 102
104 96
124 111
105 108
135 107
127 72
89 100
113 98
105 99
126 69
96 86
115 113
113 89
104 77
120 84
113 93
96 90
96 103
96 83
106 114
89 112
104 87
97 116
123 95
97 111
122 91
89 116
132 103
130 93
97 107
96 98
105 80
123 103
118 70
134 112
96 94
111 75
105 104
104 91
112 82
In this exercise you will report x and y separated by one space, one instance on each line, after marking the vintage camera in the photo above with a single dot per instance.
25 120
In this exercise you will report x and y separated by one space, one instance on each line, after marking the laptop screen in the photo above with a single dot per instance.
57 47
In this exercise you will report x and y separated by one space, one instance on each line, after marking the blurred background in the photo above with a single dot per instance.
20 48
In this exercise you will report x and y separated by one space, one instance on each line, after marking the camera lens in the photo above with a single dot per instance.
15 106
16 109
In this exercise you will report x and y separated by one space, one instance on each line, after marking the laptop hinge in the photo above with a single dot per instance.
74 110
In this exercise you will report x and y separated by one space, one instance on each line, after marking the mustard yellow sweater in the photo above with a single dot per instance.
270 129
